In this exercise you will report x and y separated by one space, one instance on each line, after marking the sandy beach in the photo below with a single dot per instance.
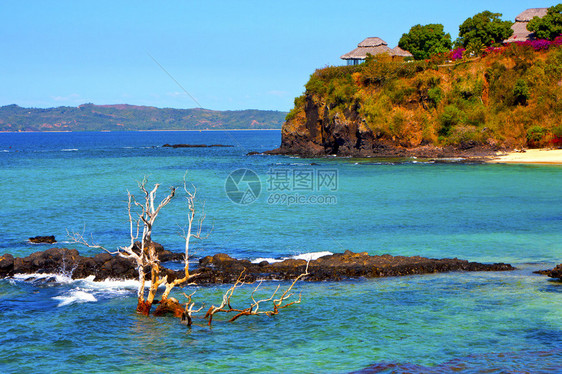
529 156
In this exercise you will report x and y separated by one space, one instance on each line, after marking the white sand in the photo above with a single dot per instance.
530 156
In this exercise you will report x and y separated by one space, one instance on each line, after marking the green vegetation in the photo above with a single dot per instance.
90 117
425 41
548 27
485 29
511 97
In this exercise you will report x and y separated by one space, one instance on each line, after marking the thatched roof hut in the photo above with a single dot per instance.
520 32
399 52
373 46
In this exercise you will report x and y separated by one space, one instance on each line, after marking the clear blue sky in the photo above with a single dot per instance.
227 54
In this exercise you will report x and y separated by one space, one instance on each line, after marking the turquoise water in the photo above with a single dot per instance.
434 323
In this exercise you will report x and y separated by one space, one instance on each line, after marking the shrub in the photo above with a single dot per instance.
456 54
450 117
434 94
521 92
299 105
536 136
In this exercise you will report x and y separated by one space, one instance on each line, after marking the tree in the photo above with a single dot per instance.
425 41
142 216
483 30
548 27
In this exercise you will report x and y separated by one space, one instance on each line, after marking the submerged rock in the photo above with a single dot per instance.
196 145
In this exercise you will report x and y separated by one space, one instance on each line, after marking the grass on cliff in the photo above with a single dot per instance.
512 96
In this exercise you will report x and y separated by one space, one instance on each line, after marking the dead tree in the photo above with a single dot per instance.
141 222
142 216
254 308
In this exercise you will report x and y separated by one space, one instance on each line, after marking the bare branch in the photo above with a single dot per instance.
78 238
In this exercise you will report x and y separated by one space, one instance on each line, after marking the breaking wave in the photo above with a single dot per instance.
304 256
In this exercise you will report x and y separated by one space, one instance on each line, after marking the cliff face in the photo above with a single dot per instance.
316 132
319 133
511 98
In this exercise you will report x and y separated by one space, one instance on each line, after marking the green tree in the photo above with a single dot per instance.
548 27
425 41
483 30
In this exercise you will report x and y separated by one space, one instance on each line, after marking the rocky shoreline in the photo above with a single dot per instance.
318 132
221 268
476 154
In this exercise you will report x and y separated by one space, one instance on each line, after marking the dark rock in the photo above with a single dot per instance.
163 254
556 272
6 265
116 268
553 273
50 239
221 268
196 145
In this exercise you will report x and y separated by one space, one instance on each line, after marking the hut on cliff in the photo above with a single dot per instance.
374 46
520 32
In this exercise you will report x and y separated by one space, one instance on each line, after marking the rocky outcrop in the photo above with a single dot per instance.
50 239
68 261
553 273
225 269
556 272
221 268
317 132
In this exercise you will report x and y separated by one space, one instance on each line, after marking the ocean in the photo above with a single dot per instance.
279 207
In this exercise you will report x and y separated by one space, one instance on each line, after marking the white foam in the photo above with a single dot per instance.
312 255
111 284
303 256
69 150
58 278
87 283
75 296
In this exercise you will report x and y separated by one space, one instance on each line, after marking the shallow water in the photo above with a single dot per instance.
433 323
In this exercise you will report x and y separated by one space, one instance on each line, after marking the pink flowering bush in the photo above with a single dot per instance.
456 54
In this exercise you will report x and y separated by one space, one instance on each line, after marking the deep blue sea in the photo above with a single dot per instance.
462 322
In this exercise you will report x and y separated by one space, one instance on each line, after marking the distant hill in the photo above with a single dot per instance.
90 117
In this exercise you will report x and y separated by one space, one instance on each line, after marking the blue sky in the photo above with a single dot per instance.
227 54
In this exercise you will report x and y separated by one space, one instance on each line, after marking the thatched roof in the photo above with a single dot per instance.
373 46
397 51
529 14
372 42
361 53
520 32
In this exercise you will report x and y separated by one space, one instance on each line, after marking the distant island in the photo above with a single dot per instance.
123 117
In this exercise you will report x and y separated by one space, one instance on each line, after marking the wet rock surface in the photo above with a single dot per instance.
221 268
49 239
553 273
